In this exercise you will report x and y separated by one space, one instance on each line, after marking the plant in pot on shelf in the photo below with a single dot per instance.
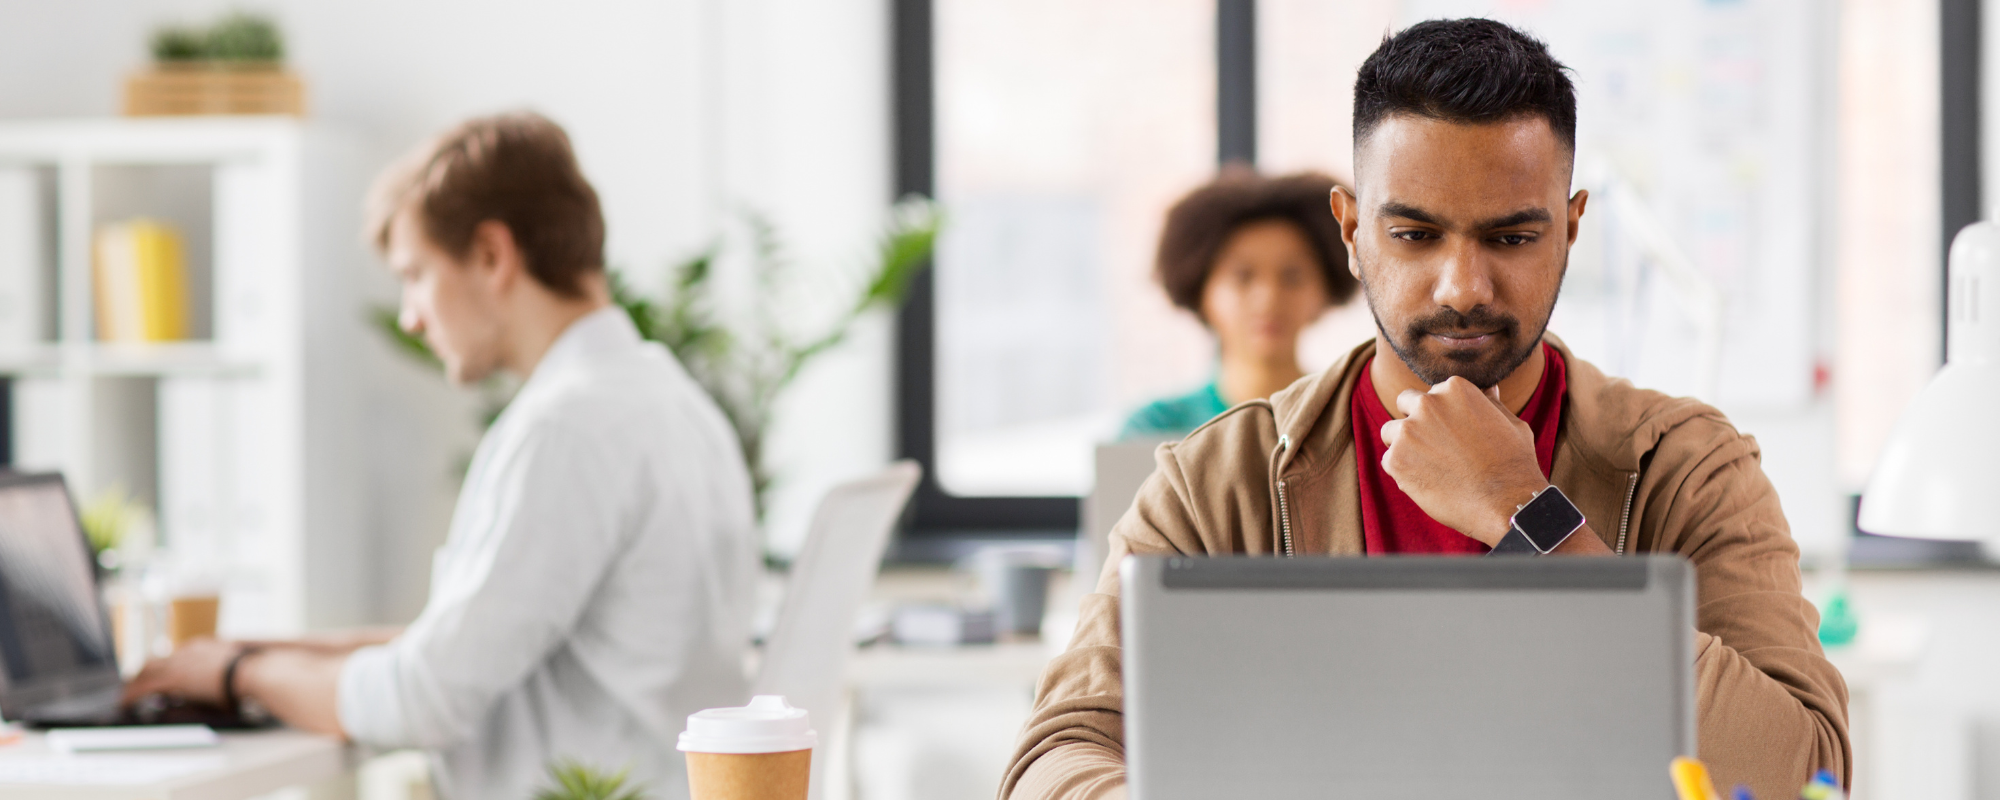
234 66
746 357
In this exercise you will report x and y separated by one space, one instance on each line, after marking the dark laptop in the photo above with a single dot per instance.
58 665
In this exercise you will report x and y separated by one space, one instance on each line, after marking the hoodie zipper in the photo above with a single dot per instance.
1624 519
1284 509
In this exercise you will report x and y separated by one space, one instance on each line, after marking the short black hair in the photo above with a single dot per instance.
1467 71
1202 222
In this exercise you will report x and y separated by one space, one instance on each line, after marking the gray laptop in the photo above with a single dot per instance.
58 666
1387 678
56 657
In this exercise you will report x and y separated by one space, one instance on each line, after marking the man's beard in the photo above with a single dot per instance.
1484 369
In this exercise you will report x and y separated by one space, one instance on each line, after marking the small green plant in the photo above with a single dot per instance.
107 517
178 43
239 36
242 36
575 780
747 360
118 528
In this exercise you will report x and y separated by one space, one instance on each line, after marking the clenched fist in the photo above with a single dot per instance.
1463 457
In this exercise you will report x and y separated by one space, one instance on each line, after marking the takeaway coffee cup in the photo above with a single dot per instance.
762 751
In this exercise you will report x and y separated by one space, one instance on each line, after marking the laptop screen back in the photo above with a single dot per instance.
55 640
1406 678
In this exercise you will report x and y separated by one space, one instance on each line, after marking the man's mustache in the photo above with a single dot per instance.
1451 321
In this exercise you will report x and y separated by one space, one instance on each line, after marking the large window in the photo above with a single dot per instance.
1056 135
1064 131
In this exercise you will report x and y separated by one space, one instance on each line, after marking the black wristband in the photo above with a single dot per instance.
1515 543
230 699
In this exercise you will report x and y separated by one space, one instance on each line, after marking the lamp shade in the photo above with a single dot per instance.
1939 473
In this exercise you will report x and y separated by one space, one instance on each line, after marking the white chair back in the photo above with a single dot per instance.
1122 468
805 658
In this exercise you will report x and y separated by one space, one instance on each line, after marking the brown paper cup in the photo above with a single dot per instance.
192 617
749 776
762 751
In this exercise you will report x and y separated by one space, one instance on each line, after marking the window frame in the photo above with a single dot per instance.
942 525
1959 36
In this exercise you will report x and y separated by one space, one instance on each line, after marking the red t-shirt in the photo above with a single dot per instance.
1390 521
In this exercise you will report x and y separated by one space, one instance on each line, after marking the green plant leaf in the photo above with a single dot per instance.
576 780
242 36
179 43
106 518
904 251
386 319
645 314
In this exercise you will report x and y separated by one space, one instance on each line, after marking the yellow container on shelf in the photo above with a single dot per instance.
140 276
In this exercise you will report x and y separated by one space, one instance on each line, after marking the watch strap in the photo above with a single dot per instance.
231 700
1515 543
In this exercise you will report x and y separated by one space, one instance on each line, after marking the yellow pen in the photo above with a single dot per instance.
1691 780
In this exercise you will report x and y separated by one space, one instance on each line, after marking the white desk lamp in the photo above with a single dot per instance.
1939 474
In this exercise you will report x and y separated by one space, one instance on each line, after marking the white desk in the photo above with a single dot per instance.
246 765
1009 664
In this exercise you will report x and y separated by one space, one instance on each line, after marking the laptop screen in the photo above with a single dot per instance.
52 626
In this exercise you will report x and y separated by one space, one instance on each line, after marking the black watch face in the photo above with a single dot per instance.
1548 519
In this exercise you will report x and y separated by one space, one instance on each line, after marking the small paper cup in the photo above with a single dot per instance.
762 751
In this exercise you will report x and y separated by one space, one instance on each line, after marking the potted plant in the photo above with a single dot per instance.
235 66
746 359
570 779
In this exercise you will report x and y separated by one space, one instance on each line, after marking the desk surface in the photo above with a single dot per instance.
246 765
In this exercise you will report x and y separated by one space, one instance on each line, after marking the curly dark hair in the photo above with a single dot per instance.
1201 222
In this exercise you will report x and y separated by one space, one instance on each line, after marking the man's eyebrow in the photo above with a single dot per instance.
1521 217
1410 212
1406 211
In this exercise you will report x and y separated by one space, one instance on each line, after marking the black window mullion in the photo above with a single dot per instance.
1236 81
1958 82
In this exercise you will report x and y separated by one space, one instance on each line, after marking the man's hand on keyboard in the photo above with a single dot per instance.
192 672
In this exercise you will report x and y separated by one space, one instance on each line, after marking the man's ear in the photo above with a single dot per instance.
1576 203
494 254
1347 210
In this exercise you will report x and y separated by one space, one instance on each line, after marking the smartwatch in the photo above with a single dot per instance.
1540 526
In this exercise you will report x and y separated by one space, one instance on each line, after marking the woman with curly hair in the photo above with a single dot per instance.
1257 259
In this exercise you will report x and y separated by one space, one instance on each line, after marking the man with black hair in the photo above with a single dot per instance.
1462 409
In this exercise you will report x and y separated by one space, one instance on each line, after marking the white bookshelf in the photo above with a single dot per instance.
240 437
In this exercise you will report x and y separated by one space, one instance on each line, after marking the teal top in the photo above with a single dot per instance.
1174 417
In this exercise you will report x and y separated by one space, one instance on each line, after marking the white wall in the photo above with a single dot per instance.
680 110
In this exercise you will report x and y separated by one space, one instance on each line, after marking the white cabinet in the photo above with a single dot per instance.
241 436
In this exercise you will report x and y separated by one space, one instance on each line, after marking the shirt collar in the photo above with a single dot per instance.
606 330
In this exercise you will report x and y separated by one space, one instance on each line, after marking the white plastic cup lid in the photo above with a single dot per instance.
767 725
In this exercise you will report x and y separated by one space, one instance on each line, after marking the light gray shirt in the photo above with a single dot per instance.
595 587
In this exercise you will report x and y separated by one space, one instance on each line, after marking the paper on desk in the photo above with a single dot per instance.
98 770
132 737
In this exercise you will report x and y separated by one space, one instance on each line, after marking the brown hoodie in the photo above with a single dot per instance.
1651 473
